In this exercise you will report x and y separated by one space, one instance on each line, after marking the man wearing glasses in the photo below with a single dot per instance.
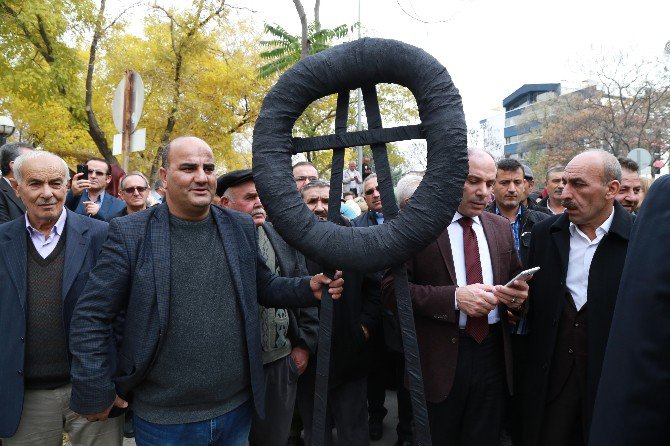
304 172
135 192
373 216
88 197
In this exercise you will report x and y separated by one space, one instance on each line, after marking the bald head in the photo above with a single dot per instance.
608 164
182 141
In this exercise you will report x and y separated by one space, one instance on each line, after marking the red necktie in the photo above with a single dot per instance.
476 327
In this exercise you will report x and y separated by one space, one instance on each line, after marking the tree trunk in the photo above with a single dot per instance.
303 22
97 135
317 20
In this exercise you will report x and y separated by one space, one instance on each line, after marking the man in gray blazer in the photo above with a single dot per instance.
188 275
11 206
45 260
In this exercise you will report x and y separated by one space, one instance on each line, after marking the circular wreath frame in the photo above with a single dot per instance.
346 67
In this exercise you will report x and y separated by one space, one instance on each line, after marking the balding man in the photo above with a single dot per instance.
460 311
45 260
189 276
288 336
581 254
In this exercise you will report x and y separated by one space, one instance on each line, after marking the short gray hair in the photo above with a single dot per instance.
368 178
611 166
407 186
35 154
131 174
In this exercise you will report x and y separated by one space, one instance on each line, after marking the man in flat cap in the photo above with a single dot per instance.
288 336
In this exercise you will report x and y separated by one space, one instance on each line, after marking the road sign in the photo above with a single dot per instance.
137 99
641 156
126 112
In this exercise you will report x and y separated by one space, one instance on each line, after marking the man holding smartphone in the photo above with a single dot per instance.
460 311
87 195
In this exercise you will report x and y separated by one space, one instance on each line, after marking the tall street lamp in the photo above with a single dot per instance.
6 129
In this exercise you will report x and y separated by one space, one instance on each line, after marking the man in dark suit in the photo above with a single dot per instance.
460 312
45 259
188 275
630 407
88 197
288 336
581 254
11 206
356 319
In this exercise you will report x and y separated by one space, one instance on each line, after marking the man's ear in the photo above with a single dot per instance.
225 201
612 189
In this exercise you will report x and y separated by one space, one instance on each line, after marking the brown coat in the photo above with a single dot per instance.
432 286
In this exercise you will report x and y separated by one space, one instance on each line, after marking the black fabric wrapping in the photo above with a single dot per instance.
346 67
365 63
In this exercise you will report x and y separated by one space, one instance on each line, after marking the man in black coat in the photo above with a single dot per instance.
572 298
356 320
11 206
631 406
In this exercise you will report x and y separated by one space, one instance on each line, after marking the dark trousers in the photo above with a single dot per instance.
564 416
472 414
514 422
346 412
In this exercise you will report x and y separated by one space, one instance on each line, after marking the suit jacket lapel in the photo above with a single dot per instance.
159 229
444 245
227 234
15 254
492 240
560 234
12 195
76 247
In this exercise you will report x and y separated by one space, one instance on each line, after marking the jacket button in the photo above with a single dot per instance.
453 340
570 351
576 324
22 339
20 372
545 366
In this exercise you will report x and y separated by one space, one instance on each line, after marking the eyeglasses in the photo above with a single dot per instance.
371 190
139 189
305 178
96 172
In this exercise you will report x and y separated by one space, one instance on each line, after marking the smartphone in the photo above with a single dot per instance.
524 275
83 168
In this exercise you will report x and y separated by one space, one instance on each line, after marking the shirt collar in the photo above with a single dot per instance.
57 228
600 231
458 216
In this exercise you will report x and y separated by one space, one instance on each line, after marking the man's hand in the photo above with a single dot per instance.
514 295
476 300
301 358
91 208
102 416
78 185
335 286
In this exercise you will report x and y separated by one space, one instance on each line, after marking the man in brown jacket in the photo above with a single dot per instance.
460 312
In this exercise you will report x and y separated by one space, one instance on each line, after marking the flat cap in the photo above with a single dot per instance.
231 179
527 172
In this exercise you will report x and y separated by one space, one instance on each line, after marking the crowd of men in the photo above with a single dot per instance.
180 309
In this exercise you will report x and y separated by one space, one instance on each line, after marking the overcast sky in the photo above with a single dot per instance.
492 47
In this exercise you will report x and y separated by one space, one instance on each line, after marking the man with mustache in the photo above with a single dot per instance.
460 310
45 260
135 192
629 192
88 197
356 317
554 186
288 336
581 254
509 193
189 276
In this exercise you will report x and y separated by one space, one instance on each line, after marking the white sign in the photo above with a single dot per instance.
137 141
137 97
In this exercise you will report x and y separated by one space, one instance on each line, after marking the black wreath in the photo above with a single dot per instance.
364 62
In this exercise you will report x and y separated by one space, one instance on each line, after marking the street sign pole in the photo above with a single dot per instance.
127 123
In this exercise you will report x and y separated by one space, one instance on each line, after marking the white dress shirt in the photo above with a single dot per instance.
46 245
455 231
582 250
